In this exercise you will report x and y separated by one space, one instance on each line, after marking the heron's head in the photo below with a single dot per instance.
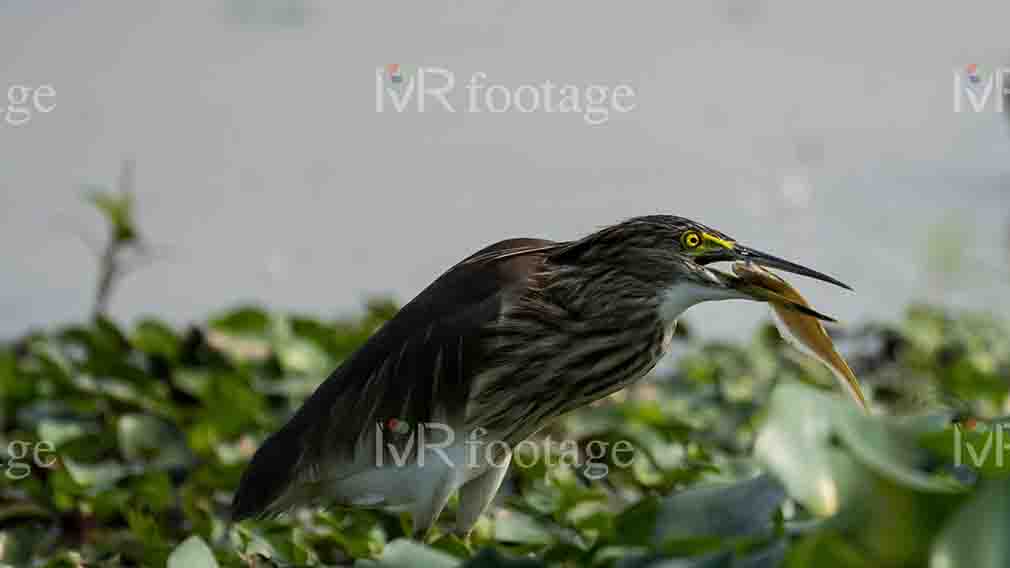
675 255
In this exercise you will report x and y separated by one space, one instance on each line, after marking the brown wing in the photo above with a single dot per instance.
421 361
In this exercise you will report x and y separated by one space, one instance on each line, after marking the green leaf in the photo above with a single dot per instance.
889 449
727 510
302 356
716 560
404 553
977 535
146 529
825 548
153 490
59 431
491 558
192 553
513 526
18 545
145 438
821 447
53 360
246 320
796 444
451 544
100 475
637 524
155 338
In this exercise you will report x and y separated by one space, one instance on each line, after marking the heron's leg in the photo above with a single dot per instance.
427 510
477 493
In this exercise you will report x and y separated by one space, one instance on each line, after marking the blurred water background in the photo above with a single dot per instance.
822 132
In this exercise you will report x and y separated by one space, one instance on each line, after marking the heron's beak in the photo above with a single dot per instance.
769 261
724 250
746 254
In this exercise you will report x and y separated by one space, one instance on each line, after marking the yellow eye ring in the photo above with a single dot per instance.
691 240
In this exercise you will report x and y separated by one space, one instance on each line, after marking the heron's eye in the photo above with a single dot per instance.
691 239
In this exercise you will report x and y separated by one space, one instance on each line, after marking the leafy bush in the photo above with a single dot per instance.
123 447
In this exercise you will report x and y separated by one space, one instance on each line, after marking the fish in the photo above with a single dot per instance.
798 326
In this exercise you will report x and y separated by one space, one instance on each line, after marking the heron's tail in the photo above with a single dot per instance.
268 476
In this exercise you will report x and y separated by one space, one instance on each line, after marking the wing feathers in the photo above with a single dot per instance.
418 366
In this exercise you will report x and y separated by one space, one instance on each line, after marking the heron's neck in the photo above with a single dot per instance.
592 292
678 297
568 342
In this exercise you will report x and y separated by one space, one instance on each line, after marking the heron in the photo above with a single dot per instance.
511 337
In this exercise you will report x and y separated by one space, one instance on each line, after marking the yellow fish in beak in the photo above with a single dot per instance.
796 326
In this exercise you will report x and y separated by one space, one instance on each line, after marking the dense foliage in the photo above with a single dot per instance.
123 446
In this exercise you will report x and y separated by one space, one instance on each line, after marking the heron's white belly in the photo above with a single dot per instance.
400 484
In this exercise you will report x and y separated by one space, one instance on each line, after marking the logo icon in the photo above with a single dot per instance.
393 73
397 76
972 71
397 426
